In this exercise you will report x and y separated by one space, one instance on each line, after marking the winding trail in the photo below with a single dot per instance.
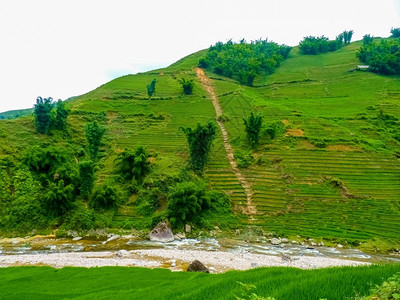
250 209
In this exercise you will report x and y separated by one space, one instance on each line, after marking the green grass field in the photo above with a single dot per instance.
138 283
337 128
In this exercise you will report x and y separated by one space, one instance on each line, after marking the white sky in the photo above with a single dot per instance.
63 48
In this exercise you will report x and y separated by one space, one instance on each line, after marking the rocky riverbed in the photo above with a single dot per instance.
218 255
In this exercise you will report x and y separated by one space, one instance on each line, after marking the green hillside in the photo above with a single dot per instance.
333 173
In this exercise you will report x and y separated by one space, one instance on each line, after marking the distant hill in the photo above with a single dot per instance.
12 114
331 174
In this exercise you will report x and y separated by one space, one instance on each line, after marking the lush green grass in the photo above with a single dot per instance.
335 112
138 283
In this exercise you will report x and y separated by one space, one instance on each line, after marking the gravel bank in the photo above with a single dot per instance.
175 260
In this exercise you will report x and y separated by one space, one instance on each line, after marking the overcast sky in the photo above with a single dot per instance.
63 48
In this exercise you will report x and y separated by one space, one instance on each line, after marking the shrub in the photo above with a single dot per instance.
367 39
244 61
389 289
395 32
105 197
133 165
253 127
86 177
60 121
186 201
243 159
59 198
42 113
187 85
151 88
94 133
80 218
274 129
200 140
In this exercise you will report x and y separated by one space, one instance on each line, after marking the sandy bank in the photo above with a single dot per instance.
176 260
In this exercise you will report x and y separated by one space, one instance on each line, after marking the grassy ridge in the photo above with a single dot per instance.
341 126
138 283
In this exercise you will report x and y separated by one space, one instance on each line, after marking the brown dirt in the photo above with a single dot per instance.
285 121
342 148
294 132
250 209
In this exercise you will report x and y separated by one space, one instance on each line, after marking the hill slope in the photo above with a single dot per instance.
333 173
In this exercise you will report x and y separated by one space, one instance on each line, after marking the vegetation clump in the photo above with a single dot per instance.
200 141
46 117
383 57
253 125
312 45
151 88
244 61
187 85
94 133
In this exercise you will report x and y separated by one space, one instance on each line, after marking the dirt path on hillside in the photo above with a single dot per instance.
250 209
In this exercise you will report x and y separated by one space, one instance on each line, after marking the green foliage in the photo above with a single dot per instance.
86 177
94 133
383 57
247 294
347 35
253 126
151 88
59 198
395 32
389 289
133 164
243 61
367 39
105 196
187 85
42 112
274 129
50 163
312 45
243 159
80 218
60 121
186 201
200 140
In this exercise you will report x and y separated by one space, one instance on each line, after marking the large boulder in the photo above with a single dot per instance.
197 266
162 233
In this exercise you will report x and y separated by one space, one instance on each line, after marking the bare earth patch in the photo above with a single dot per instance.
294 132
342 148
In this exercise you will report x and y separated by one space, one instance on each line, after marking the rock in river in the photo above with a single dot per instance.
161 233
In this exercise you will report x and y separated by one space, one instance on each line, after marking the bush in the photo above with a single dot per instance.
94 134
60 121
274 129
86 176
42 112
186 201
395 32
383 57
200 140
151 88
367 39
59 198
253 127
243 159
244 61
187 85
105 197
80 218
389 289
133 165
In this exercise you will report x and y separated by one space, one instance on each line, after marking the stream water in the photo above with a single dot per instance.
51 244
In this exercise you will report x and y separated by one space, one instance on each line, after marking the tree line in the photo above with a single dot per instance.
244 61
312 45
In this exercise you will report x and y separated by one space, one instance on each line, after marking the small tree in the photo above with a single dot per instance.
347 35
94 133
367 39
42 112
186 201
133 164
253 128
187 85
395 32
86 176
59 197
200 140
62 113
151 88
105 197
